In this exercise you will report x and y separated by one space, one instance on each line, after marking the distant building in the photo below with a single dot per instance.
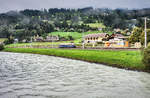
38 39
137 45
114 40
117 43
119 36
51 38
118 30
24 41
99 37
100 29
16 40
129 33
47 39
117 40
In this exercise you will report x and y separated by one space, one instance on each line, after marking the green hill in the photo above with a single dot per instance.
75 35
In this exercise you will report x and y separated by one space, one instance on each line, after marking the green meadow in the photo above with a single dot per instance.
42 43
122 59
97 25
75 35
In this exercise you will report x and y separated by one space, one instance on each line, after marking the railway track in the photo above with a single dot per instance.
86 48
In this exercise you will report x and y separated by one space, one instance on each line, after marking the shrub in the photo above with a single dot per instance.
146 56
70 38
9 41
99 42
1 46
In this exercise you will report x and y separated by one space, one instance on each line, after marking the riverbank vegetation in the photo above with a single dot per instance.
123 59
1 47
146 56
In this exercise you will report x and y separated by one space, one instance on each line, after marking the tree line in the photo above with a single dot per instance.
29 22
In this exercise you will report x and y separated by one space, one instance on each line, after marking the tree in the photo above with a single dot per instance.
146 56
6 32
143 36
1 46
46 27
136 35
70 38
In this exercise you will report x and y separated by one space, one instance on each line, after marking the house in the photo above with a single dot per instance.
119 36
137 45
118 30
117 40
99 37
51 38
47 39
117 43
100 29
38 38
16 41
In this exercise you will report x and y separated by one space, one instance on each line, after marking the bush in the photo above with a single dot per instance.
9 41
146 57
70 38
1 46
99 42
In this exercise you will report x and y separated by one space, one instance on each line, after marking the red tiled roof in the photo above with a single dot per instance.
102 35
118 35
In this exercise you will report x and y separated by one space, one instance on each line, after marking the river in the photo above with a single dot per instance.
40 76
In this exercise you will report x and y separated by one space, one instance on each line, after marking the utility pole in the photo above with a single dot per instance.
52 41
83 40
145 33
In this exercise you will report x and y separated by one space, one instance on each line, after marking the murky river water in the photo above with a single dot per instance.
39 76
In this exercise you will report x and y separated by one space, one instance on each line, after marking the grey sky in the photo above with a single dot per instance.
7 5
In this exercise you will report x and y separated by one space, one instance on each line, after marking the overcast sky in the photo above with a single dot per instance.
7 5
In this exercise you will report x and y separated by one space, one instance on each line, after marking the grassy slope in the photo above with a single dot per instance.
97 25
75 35
2 39
123 59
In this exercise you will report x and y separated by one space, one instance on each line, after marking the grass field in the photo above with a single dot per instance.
97 25
75 35
122 59
42 43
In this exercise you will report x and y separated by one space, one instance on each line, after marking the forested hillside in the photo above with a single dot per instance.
28 22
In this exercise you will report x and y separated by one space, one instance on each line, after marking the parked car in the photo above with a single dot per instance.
67 46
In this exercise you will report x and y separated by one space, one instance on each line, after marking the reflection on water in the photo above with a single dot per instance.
38 76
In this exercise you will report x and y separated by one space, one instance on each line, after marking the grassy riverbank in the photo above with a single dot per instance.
122 59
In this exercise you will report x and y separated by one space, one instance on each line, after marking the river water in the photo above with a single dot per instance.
39 76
